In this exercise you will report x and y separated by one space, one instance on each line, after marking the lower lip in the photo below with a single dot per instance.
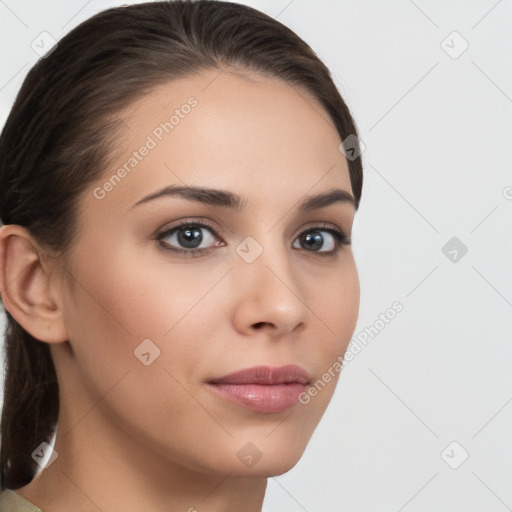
261 398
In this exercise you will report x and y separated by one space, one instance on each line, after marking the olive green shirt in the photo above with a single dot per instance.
11 501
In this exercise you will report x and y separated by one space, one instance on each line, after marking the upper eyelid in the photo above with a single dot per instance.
202 224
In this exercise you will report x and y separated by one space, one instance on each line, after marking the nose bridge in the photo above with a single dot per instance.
265 261
268 290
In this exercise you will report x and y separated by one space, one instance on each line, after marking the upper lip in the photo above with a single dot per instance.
266 375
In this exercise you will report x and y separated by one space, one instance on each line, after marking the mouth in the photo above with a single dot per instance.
263 388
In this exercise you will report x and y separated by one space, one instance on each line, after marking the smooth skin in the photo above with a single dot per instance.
133 437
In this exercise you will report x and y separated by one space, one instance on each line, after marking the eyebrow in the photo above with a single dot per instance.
223 198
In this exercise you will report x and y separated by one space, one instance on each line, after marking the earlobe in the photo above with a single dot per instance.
25 286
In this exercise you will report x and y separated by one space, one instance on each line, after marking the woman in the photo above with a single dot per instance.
178 182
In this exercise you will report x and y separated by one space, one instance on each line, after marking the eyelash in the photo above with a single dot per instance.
340 238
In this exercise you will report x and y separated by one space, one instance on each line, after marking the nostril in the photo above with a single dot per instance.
259 324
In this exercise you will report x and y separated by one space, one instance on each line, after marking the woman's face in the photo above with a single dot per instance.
265 282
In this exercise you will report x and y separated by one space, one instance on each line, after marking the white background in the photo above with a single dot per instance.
438 134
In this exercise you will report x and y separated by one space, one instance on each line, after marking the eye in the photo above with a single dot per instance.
195 238
190 237
322 239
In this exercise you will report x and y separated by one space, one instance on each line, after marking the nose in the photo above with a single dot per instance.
268 296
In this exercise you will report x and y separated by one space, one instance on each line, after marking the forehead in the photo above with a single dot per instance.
228 130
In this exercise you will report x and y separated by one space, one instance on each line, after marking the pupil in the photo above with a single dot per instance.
314 240
190 236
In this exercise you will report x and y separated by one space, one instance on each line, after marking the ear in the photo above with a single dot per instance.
28 292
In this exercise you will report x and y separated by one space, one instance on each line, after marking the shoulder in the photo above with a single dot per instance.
10 501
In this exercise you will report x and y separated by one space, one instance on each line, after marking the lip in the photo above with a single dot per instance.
266 389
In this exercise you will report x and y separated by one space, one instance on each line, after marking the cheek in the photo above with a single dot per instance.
138 294
335 309
112 309
119 300
336 304
347 311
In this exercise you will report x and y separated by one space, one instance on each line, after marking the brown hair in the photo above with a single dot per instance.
60 136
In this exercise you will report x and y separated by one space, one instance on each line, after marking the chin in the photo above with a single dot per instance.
268 456
274 466
268 466
256 455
